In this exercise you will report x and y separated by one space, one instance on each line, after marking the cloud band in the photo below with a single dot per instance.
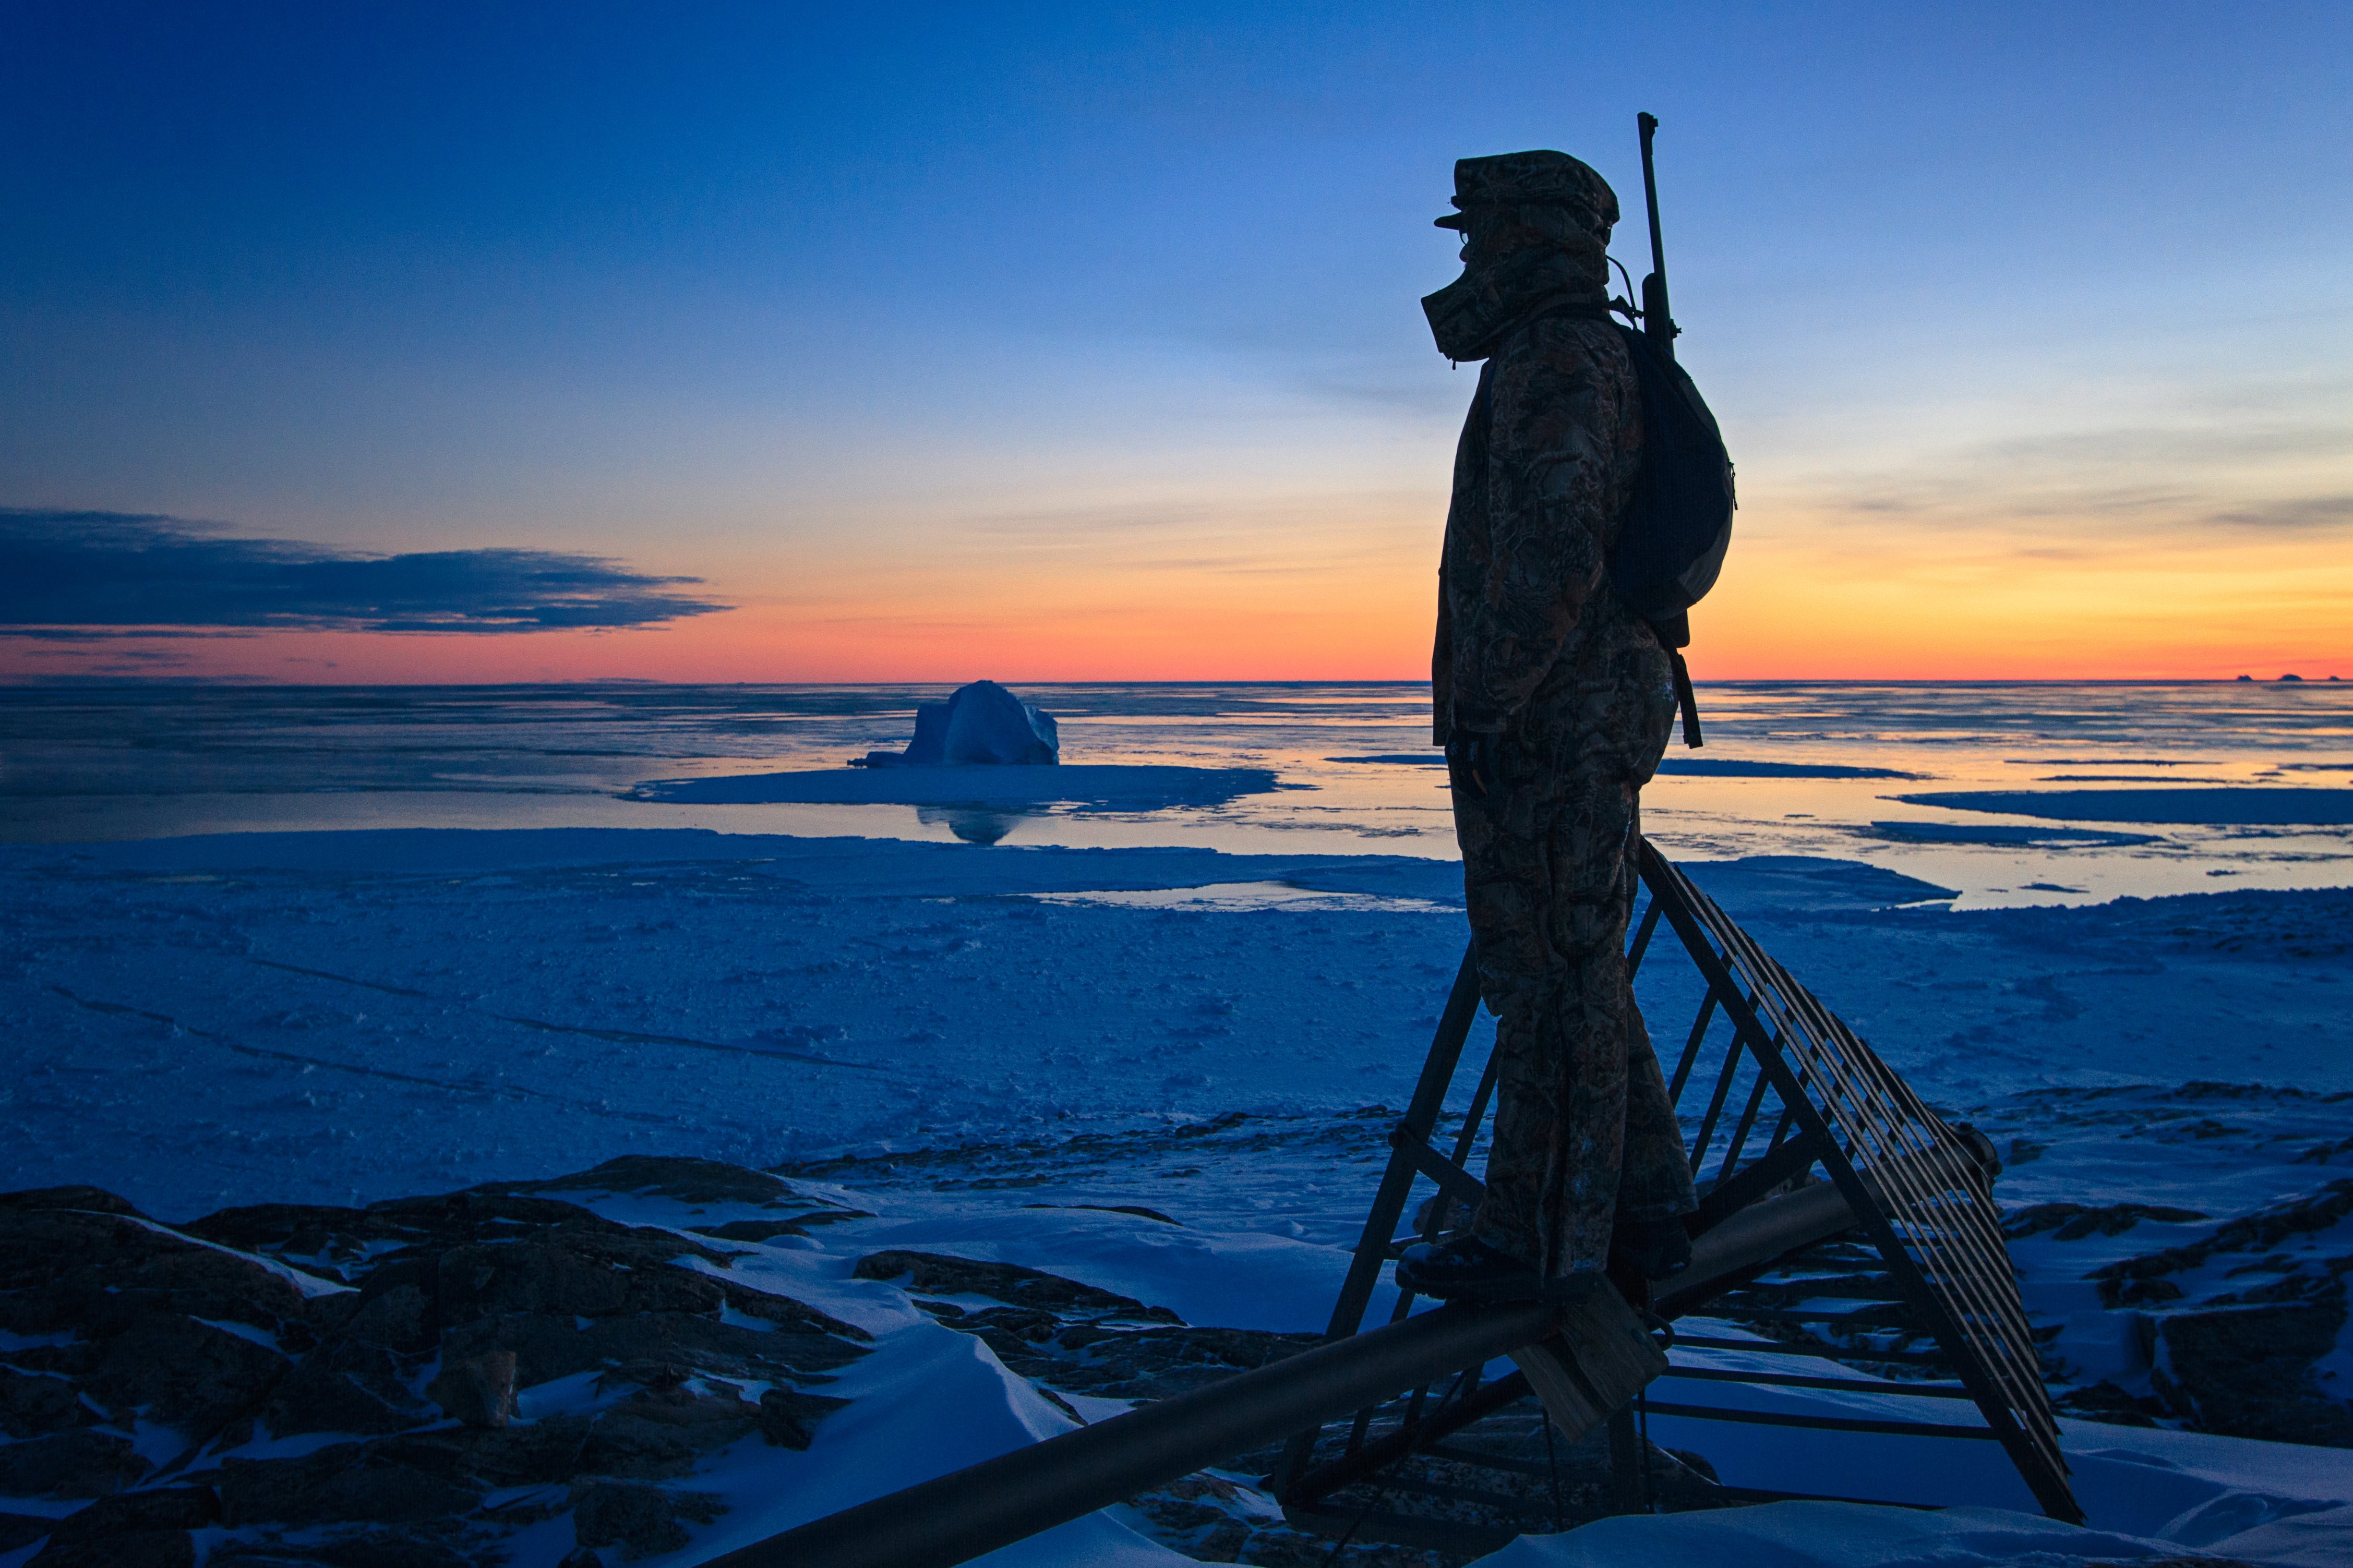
83 576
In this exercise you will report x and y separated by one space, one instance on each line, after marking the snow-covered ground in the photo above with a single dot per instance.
333 1017
966 1043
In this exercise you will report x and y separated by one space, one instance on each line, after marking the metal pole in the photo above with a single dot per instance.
957 1517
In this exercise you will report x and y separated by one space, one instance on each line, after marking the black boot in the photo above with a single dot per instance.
1466 1269
1654 1248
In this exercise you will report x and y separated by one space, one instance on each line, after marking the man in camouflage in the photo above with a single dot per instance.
1554 703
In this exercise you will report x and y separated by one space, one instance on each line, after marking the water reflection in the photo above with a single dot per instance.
975 824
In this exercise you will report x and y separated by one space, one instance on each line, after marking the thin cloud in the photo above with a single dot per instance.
2205 463
69 576
2289 516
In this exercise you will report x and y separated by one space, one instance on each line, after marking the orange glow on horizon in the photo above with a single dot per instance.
1355 601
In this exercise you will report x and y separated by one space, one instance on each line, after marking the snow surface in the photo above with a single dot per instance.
1837 1535
967 1043
332 1017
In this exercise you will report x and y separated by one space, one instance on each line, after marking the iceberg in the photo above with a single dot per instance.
979 723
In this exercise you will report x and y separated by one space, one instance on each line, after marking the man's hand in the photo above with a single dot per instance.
1470 763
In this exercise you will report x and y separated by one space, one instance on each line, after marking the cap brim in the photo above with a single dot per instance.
1451 220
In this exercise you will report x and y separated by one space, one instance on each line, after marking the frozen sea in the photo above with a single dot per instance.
2009 794
322 945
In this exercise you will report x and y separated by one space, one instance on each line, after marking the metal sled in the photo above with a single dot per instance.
1788 1090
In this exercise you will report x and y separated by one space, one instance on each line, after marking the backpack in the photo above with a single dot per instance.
1679 520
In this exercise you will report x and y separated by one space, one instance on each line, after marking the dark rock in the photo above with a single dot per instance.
96 1199
1138 1210
70 1464
395 1310
1120 1364
184 1373
484 1215
2104 1401
2257 1233
659 1433
640 1520
360 1245
135 1530
786 1313
1008 1282
688 1181
642 1374
571 1275
750 1229
318 1239
2247 1371
788 1417
476 1391
23 1528
33 1406
370 1549
132 1549
2138 1292
345 1388
2074 1222
165 1508
529 1454
547 1348
352 1242
96 1274
132 1292
72 1358
335 1484
507 1290
581 1557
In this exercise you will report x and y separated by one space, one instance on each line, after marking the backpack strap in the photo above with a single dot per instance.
1675 636
1683 698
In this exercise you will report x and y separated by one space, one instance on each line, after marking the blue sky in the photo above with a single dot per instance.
1086 339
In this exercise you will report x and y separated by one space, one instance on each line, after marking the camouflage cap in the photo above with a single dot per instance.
1548 187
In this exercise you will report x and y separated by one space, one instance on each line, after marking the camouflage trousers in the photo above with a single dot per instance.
1585 1137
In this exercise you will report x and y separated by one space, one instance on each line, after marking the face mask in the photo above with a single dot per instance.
1469 315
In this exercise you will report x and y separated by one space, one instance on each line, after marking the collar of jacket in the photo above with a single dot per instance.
1471 316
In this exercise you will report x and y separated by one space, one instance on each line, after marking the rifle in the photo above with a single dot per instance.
1659 326
1656 318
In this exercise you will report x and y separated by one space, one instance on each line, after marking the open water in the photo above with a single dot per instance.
2077 792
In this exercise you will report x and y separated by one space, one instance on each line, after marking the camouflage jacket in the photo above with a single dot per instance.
1542 478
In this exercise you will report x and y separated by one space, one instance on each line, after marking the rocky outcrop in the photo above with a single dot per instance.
2074 1222
352 1379
2248 1371
2236 1323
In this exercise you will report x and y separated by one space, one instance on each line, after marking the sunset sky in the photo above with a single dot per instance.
778 342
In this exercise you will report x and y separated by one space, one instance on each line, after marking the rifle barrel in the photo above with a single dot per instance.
1658 320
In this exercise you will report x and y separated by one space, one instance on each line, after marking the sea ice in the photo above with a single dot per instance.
1115 786
2236 805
